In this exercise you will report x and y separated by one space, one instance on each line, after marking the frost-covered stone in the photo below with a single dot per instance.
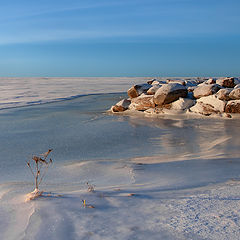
210 81
169 93
182 82
236 81
237 86
191 83
226 82
235 94
142 103
191 89
233 106
121 106
155 82
182 104
223 94
153 89
150 82
205 90
208 105
137 90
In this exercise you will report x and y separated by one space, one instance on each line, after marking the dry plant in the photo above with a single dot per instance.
90 187
86 205
38 167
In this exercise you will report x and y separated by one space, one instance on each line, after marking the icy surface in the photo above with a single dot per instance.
171 177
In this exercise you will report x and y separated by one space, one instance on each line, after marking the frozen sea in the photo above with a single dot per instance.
172 177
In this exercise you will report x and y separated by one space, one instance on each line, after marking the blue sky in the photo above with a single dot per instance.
119 38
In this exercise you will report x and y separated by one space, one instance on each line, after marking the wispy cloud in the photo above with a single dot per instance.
71 20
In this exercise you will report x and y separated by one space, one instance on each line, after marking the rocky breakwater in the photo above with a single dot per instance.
200 96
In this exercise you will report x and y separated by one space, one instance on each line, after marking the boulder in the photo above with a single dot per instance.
142 103
191 83
153 89
182 104
226 82
237 86
169 93
182 82
210 81
137 90
235 94
205 90
208 105
191 89
151 81
155 82
121 106
236 81
233 106
223 94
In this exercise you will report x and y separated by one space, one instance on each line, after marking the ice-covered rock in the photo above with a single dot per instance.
142 103
226 82
211 81
223 94
205 90
233 106
208 105
137 90
153 89
237 86
121 106
155 82
191 89
150 82
235 94
236 81
191 83
180 81
182 104
169 93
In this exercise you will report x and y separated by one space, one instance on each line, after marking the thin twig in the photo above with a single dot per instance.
30 168
44 173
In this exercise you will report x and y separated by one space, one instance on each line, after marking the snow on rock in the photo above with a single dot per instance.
182 104
237 86
191 89
236 81
205 90
226 82
233 106
142 103
210 81
121 106
191 83
137 90
153 89
235 94
169 93
150 82
182 82
208 105
223 94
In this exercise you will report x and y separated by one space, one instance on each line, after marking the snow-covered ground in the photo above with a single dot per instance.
171 177
16 92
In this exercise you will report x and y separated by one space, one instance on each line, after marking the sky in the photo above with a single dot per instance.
75 38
